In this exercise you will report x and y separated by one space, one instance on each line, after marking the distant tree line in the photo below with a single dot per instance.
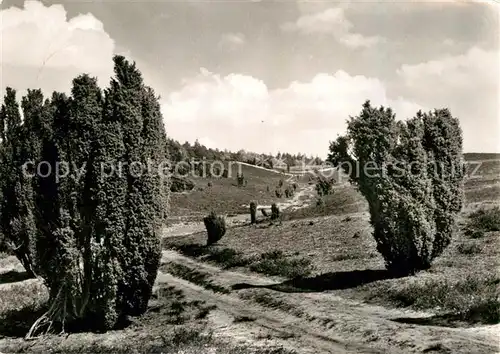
186 152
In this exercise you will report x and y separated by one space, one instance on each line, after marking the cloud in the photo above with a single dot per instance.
239 111
468 84
455 71
331 21
41 47
449 42
232 40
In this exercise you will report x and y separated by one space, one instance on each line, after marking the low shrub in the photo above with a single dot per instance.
468 248
276 263
181 184
216 227
485 220
227 258
473 299
324 186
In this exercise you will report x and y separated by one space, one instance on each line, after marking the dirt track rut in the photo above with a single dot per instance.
327 324
282 325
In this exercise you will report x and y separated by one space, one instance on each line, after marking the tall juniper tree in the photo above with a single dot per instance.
140 245
411 174
132 194
99 222
20 144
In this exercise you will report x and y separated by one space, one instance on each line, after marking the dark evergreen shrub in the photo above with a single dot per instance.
253 212
216 227
181 184
324 186
275 212
411 173
241 179
93 234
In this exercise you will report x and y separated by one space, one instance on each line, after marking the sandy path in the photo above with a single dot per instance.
265 169
299 335
300 199
328 324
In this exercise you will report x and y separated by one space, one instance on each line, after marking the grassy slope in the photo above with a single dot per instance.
224 196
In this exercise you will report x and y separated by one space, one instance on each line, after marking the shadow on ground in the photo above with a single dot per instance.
324 282
445 320
167 306
16 323
13 276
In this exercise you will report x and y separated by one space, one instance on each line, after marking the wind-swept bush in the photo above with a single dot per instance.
411 174
216 227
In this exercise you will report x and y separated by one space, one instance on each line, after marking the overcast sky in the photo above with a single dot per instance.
270 76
